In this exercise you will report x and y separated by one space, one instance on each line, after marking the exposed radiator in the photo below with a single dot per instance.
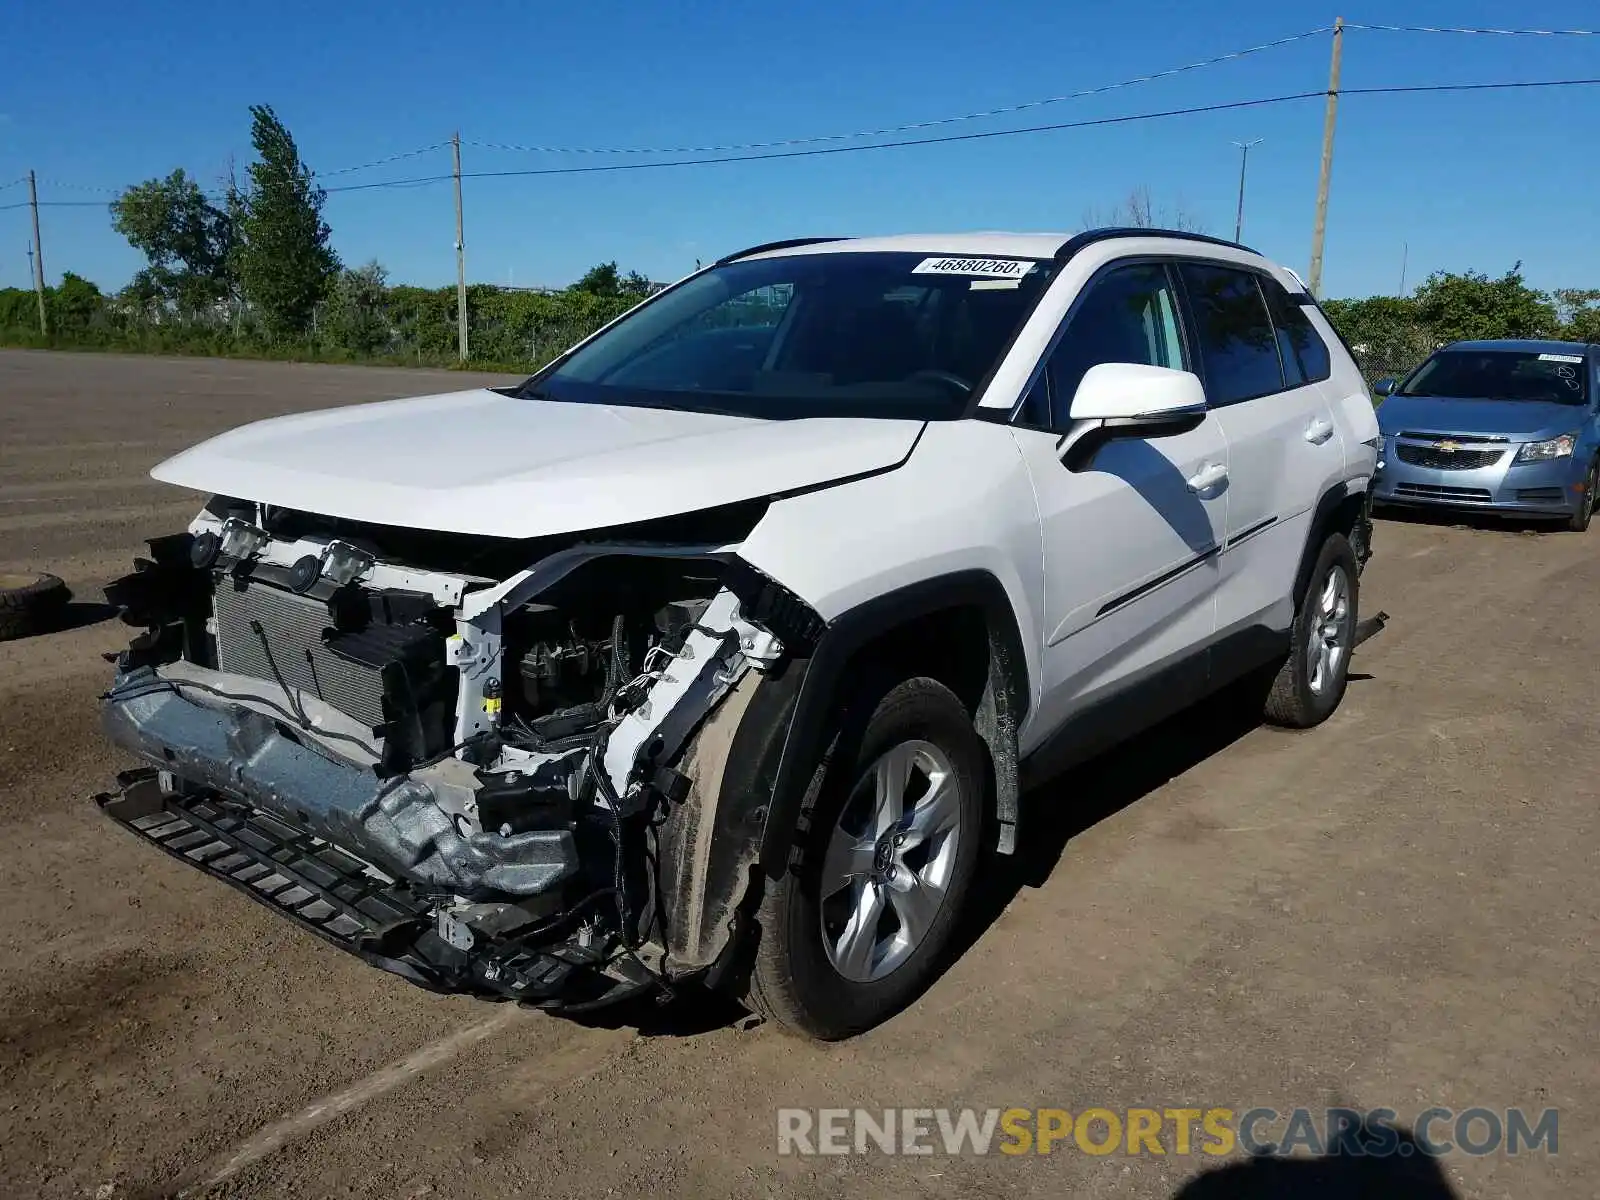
293 626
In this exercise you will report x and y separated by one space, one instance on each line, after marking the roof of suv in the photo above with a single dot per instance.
1526 345
987 244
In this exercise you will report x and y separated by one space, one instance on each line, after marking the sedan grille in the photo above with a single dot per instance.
1477 439
292 627
1436 459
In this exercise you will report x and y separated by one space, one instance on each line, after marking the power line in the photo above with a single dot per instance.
981 135
937 139
14 182
81 187
886 131
381 162
1464 29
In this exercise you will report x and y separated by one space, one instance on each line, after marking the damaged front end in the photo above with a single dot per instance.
490 766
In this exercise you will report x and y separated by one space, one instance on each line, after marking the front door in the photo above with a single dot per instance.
1131 537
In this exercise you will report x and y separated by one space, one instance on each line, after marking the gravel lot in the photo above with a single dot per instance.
1398 909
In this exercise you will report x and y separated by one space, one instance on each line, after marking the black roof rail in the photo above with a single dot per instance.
786 244
1089 237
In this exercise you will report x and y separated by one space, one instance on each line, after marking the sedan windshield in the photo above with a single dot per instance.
1501 375
866 334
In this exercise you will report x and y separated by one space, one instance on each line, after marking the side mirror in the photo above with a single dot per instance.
1385 386
1131 400
1133 394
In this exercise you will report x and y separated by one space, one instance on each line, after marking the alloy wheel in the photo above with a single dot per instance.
888 865
1329 631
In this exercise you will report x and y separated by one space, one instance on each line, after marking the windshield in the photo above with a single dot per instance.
1501 375
840 334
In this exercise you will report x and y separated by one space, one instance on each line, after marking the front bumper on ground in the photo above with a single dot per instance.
344 901
1552 489
376 867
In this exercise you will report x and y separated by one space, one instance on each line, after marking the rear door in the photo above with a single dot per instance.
1260 361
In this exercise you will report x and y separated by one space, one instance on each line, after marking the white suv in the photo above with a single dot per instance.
718 651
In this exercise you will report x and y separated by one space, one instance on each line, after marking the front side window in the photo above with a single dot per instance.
1501 375
1237 342
1130 315
868 334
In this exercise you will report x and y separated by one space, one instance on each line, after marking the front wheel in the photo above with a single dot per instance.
857 928
1312 680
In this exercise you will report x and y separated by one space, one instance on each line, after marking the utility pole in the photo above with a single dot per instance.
1405 255
38 254
1244 160
1319 231
461 258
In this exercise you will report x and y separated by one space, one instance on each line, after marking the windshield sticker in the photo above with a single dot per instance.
994 285
991 268
1566 358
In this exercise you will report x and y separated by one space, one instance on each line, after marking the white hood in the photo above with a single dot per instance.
480 462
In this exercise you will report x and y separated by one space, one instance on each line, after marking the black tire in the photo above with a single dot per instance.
31 604
1578 522
1294 702
793 980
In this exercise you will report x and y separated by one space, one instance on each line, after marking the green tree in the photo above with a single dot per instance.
285 263
357 310
607 281
75 304
1579 309
1456 307
187 240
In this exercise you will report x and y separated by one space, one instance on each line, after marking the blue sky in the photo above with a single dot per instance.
123 91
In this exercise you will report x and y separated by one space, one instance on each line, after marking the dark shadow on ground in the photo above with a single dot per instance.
74 615
687 1012
1404 1173
1490 522
1058 811
1051 816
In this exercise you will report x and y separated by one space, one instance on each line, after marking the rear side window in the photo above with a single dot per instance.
1304 353
1238 346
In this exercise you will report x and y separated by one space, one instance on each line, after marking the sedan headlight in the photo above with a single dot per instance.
1559 447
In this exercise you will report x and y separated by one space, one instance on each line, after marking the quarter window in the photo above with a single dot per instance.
1129 316
1238 347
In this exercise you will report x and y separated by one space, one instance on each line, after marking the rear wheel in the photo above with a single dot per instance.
1579 521
858 927
1312 680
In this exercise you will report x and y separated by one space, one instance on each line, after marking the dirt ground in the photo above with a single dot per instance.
1398 910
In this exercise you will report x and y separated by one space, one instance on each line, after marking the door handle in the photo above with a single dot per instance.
1209 477
1319 431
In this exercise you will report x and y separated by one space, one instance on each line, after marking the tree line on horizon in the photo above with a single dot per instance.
252 271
